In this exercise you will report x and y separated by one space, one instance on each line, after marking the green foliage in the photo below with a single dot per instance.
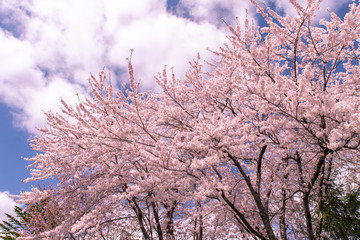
341 213
11 228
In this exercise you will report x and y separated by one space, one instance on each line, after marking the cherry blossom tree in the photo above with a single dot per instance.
245 151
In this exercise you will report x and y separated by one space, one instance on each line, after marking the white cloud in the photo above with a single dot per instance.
163 40
18 71
13 15
49 99
61 42
7 205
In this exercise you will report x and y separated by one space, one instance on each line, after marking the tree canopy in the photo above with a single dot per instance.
245 151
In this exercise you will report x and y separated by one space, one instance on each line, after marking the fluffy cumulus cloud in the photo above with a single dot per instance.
48 48
7 205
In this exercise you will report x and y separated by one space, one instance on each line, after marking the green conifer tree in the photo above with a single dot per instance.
341 213
11 228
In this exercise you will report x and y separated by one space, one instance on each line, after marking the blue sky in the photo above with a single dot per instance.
48 49
13 147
